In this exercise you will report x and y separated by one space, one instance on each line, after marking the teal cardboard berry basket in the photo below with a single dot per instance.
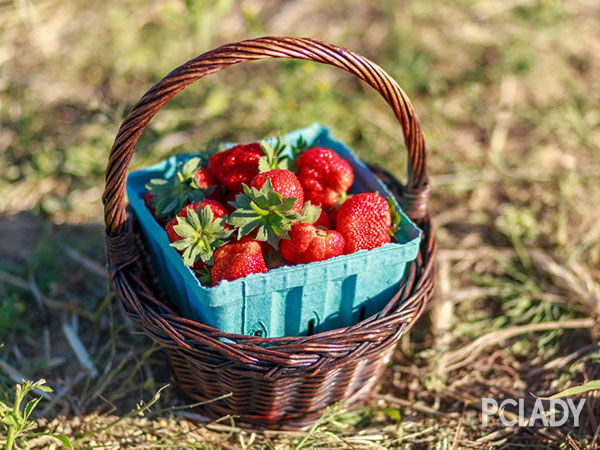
289 300
282 382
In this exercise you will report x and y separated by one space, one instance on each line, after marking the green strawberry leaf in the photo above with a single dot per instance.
171 196
299 147
265 210
310 213
204 276
186 173
396 218
201 234
275 157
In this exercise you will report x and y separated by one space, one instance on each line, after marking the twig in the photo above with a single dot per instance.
468 353
560 362
497 434
571 276
192 405
86 262
81 353
414 406
132 413
458 432
416 434
52 304
595 441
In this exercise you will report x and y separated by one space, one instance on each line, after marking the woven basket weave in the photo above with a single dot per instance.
276 383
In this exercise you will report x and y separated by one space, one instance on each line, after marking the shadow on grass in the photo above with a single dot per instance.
59 321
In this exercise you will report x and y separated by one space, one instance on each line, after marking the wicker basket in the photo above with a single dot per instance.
276 383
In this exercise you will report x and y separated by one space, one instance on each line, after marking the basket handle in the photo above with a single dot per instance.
415 193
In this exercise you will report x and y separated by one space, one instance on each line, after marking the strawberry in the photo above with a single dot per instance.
236 166
205 180
173 237
333 210
236 260
148 199
198 232
172 195
273 258
332 215
308 243
364 221
229 199
323 220
266 211
324 175
217 208
284 182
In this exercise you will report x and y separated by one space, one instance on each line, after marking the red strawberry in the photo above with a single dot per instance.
265 213
197 230
236 260
332 215
324 175
323 220
173 237
236 166
284 182
273 258
364 220
148 199
217 208
205 180
308 243
332 211
230 197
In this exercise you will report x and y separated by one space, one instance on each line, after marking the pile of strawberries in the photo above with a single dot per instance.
253 207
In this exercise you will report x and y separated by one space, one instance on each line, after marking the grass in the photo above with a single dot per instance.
505 93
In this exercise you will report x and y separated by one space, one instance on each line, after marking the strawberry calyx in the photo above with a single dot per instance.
310 213
299 147
171 196
265 210
275 157
201 234
204 276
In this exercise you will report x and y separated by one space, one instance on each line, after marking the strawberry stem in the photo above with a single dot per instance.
259 211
